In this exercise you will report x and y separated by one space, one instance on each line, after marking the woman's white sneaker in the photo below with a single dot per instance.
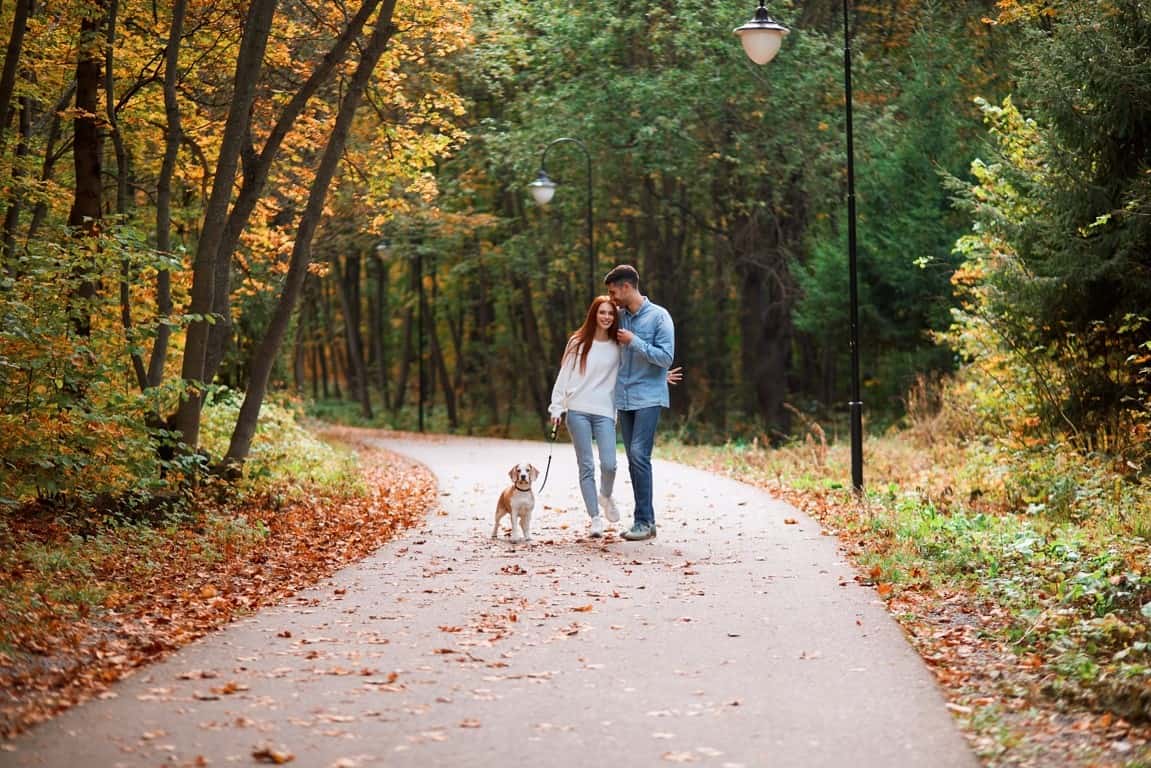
596 527
607 504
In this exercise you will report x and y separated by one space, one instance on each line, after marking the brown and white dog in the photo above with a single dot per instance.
517 502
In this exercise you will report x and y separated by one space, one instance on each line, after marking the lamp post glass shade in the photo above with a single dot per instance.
762 36
543 189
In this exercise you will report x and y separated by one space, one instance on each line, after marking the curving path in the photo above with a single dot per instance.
734 639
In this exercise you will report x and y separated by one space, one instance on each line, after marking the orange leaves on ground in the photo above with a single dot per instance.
195 579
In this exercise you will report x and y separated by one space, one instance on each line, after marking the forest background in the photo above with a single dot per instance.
220 216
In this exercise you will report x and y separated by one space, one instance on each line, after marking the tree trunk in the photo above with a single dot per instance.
537 357
16 201
440 365
266 351
380 326
717 359
319 340
299 353
328 335
256 170
87 202
173 134
766 332
406 336
319 371
485 322
257 27
11 63
40 212
349 306
123 170
768 296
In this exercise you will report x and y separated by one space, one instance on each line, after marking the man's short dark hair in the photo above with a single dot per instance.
624 273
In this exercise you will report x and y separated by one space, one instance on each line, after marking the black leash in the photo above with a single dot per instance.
552 433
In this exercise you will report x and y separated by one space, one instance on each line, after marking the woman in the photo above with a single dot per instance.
585 390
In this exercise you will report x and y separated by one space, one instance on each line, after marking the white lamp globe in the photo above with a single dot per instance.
543 189
762 36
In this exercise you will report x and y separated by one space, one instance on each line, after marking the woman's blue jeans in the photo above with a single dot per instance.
584 427
638 429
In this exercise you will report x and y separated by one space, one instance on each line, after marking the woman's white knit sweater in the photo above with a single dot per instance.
592 391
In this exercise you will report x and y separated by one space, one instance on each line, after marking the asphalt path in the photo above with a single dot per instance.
738 637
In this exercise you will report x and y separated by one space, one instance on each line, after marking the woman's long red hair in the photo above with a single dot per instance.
580 341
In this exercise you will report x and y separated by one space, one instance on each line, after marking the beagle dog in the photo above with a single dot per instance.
517 502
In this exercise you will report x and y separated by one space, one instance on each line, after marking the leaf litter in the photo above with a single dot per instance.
54 658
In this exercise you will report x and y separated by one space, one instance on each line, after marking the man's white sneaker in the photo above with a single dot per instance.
607 504
596 527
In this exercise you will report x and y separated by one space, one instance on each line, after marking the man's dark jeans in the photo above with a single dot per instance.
638 429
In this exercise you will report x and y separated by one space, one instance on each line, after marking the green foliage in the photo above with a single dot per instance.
73 423
906 223
1054 274
282 448
75 429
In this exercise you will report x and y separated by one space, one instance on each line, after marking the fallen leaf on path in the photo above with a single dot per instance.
266 753
678 757
198 674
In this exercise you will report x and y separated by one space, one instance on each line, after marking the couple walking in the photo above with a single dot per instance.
616 363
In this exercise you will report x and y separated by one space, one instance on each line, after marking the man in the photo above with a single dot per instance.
647 346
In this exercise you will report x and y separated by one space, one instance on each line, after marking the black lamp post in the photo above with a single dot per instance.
762 38
543 189
383 248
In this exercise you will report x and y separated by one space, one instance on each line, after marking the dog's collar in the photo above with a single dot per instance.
517 487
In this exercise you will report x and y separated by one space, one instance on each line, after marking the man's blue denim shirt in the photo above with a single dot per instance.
643 364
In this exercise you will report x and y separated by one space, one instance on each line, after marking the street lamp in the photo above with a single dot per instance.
543 189
383 248
762 38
